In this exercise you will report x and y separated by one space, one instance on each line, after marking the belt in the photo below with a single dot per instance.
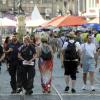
72 60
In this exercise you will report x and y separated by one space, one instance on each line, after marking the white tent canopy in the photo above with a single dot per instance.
7 22
36 18
36 14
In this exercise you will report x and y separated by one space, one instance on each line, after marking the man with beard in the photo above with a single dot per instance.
13 62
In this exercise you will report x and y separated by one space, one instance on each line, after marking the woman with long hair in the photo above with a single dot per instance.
6 47
45 65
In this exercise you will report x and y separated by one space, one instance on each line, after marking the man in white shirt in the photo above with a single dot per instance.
88 61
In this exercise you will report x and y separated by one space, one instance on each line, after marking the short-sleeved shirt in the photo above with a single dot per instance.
78 47
13 55
61 41
27 52
88 61
89 49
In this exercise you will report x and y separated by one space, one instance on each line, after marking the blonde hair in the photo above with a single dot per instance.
27 37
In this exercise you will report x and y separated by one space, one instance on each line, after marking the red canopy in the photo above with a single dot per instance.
67 21
52 20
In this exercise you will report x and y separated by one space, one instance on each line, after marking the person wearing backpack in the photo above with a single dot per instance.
27 54
70 59
45 65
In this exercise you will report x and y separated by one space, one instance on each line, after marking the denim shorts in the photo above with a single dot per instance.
89 66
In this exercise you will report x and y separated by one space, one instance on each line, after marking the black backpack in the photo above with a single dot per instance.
46 53
70 52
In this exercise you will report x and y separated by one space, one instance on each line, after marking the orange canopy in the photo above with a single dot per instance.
52 20
67 21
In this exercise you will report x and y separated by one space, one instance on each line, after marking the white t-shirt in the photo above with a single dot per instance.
78 47
89 49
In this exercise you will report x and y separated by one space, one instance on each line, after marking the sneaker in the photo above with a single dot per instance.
73 90
67 89
49 91
84 87
19 90
29 92
92 88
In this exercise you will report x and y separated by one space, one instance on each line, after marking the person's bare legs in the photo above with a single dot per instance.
67 79
85 78
84 81
91 75
73 84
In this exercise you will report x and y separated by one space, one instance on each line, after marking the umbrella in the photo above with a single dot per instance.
68 21
97 27
93 25
52 20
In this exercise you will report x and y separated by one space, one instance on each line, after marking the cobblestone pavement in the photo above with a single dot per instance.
58 84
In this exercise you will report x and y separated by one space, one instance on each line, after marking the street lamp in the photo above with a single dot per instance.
20 22
20 10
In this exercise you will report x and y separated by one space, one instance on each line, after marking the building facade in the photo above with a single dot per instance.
47 8
89 8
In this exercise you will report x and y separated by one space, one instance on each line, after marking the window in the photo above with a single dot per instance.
94 3
90 3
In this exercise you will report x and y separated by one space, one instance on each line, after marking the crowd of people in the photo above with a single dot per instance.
72 49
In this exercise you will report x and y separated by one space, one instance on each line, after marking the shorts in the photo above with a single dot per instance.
88 68
71 69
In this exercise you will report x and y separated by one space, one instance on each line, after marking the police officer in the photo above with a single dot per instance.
27 54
